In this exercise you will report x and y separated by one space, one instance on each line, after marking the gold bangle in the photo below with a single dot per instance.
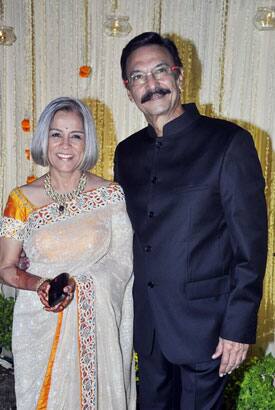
40 283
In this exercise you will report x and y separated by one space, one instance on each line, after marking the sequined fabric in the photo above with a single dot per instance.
88 361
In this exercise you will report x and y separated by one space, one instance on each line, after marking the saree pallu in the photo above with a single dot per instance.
81 358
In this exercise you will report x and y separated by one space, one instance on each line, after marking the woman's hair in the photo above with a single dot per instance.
148 39
39 145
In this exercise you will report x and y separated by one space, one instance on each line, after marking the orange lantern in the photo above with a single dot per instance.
26 125
85 71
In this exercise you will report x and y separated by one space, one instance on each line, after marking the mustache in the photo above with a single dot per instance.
157 91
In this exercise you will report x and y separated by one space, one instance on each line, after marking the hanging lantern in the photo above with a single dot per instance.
264 18
116 25
7 36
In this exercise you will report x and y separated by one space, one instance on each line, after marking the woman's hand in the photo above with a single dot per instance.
43 293
23 262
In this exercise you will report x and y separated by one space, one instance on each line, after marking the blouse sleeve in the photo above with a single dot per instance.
12 223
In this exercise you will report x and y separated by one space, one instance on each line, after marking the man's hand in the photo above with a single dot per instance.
232 355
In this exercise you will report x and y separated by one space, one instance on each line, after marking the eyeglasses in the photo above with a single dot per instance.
159 72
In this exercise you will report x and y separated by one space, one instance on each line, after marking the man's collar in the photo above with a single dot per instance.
178 124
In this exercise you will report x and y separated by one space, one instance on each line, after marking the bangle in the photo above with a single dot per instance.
40 283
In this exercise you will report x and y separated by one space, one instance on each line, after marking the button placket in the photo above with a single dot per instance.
154 177
154 181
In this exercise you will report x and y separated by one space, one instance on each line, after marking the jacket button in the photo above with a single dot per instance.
151 214
154 180
148 248
150 284
158 144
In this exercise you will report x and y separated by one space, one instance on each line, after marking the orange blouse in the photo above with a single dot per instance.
18 206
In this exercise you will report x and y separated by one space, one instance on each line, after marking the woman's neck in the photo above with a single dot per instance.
64 181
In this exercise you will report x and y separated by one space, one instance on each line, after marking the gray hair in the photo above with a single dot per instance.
39 145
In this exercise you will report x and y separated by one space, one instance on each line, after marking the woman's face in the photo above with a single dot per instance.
66 142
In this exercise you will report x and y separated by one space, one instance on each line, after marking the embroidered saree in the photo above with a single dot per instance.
82 357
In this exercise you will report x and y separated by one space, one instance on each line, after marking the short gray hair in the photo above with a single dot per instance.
39 145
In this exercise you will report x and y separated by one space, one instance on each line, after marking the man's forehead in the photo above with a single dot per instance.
148 56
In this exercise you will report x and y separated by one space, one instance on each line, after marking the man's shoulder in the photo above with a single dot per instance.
220 123
133 138
213 123
224 131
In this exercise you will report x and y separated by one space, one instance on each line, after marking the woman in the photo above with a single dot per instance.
78 353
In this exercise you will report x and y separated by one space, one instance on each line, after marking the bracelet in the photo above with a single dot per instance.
40 283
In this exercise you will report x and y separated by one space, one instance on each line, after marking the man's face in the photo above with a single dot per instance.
156 97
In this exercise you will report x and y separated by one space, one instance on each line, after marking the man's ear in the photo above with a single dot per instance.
180 77
129 94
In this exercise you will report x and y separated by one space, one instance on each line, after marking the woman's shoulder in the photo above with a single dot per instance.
18 206
94 182
34 193
33 187
104 190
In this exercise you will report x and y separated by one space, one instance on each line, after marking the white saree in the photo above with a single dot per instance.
81 358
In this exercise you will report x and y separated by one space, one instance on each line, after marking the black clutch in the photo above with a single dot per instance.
56 293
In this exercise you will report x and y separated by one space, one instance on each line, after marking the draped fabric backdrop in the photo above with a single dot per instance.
229 72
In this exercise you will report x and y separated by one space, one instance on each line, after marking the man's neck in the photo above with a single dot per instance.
158 122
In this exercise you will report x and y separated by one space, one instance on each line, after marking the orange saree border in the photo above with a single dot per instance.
45 389
79 342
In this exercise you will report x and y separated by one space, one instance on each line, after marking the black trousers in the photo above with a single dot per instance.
165 386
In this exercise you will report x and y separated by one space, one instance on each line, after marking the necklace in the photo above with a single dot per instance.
62 199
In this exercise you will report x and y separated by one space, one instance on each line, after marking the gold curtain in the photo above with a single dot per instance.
106 137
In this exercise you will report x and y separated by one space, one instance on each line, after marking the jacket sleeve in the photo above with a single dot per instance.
116 177
243 200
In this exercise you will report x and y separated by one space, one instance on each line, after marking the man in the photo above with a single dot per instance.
195 195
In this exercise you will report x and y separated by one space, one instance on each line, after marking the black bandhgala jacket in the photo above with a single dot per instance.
195 197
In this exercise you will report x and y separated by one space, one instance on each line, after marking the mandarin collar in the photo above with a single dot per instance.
179 124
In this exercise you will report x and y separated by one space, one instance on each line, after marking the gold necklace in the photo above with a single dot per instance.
64 198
